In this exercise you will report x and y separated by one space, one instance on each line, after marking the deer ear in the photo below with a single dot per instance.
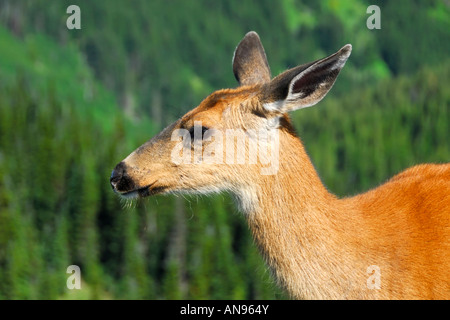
305 85
250 64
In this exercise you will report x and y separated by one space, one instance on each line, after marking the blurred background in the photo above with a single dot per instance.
73 103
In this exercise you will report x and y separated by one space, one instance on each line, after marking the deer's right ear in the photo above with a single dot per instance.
305 85
250 64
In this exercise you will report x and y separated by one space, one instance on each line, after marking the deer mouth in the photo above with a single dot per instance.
138 193
143 192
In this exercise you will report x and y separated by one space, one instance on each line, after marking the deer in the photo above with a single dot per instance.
391 242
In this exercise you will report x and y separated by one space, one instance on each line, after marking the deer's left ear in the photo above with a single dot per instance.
250 64
305 85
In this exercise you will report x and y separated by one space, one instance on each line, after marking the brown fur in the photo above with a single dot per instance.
318 246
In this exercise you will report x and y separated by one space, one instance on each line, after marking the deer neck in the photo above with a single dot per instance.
292 218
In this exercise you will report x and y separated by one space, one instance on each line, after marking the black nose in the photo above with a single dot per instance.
117 175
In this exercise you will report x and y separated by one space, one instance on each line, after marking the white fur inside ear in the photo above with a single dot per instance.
274 106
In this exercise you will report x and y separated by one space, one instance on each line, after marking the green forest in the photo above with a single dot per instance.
75 102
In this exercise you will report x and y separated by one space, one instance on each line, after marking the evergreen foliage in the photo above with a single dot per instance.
74 103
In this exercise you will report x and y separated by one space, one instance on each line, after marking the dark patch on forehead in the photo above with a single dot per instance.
218 96
212 100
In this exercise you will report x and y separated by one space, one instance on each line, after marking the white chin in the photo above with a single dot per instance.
129 195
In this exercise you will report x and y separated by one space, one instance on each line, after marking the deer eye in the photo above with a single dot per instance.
192 132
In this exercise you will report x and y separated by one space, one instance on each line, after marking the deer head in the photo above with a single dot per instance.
197 153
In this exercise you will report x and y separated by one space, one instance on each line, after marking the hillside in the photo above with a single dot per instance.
73 104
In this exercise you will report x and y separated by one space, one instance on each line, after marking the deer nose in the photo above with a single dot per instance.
117 175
